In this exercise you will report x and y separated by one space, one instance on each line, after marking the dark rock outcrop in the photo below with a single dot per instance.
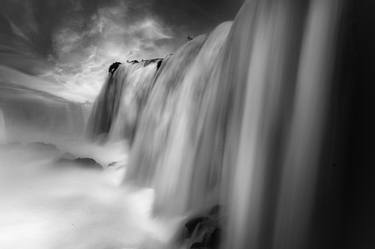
201 231
150 61
114 67
132 61
147 62
88 163
83 162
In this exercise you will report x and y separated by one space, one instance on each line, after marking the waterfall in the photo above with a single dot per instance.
116 111
3 132
165 110
278 63
236 117
255 135
171 127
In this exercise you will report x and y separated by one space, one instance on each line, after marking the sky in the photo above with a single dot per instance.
72 42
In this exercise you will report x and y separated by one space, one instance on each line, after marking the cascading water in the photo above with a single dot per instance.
233 122
59 191
280 70
116 111
171 127
230 111
3 132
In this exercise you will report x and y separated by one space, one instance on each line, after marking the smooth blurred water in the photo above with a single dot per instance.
3 132
164 154
235 118
118 107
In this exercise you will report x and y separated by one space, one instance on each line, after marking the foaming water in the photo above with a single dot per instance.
45 204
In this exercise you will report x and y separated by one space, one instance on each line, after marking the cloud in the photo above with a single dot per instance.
72 42
110 29
83 50
195 16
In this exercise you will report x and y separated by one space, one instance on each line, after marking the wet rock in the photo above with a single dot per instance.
112 164
42 146
132 61
202 231
156 60
145 63
88 162
192 224
114 67
84 162
159 64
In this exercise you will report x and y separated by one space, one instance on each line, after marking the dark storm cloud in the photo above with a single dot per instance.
32 31
37 20
196 16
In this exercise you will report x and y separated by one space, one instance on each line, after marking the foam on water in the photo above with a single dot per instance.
49 205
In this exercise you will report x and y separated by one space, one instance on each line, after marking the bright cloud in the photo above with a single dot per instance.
85 50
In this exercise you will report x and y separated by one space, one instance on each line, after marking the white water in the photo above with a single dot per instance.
222 116
3 132
139 83
48 205
51 204
268 103
230 111
116 111
166 144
